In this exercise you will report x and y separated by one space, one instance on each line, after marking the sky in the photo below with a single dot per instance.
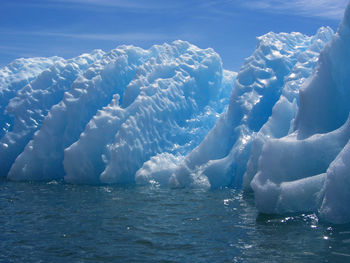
68 28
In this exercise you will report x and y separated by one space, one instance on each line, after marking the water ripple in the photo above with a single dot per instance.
55 222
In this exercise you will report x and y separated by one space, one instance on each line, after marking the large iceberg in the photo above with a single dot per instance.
308 170
263 105
168 107
172 115
99 117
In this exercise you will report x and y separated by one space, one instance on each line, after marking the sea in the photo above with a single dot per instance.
58 222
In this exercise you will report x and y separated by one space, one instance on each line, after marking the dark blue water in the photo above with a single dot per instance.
56 222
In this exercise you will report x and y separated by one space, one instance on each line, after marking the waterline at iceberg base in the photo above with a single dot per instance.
58 222
173 116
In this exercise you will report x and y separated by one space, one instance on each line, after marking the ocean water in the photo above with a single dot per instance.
57 222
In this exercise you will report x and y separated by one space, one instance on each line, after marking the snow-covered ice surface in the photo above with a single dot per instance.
171 115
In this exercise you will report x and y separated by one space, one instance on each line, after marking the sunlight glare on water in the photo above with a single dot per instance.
57 222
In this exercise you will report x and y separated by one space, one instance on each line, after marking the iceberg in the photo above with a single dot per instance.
281 121
308 169
172 115
262 105
43 155
168 107
101 117
31 104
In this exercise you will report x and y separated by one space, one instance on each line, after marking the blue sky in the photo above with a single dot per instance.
68 28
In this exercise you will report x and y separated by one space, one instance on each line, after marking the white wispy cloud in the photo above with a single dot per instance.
106 37
128 5
132 36
107 3
331 9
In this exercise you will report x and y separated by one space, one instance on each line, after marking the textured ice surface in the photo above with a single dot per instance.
281 121
31 104
158 169
42 157
15 76
309 169
99 117
262 105
168 107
